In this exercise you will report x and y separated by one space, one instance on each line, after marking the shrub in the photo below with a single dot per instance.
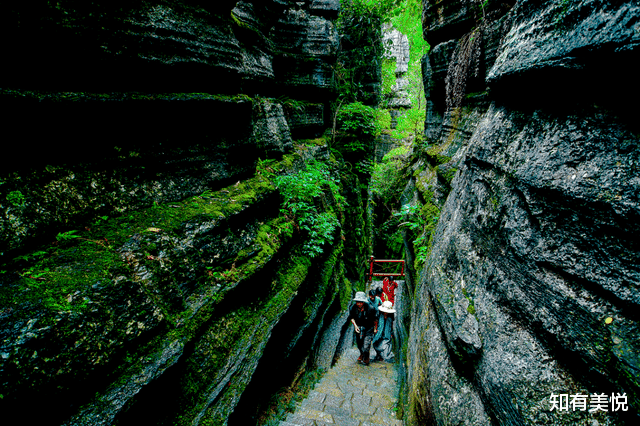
299 191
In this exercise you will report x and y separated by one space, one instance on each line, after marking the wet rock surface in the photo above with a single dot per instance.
531 283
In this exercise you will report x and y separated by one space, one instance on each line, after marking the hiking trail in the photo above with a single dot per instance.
351 394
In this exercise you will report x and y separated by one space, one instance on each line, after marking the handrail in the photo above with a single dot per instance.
384 274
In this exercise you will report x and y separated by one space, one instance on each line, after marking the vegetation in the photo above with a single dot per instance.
357 70
408 21
301 191
16 198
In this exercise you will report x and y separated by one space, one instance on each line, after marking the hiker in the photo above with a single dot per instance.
379 293
374 300
382 338
365 321
389 289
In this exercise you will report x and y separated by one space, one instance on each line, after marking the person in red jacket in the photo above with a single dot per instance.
389 289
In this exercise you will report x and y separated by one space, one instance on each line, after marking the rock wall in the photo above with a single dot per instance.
397 49
531 283
148 275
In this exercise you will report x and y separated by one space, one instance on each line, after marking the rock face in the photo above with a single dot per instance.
148 275
531 285
397 45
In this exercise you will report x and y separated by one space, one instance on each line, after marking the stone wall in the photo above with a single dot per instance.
531 285
148 275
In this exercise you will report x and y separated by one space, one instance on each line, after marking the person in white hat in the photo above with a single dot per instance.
364 318
382 338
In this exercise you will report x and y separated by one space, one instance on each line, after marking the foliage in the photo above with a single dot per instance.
388 77
421 221
409 22
69 235
395 152
407 18
357 124
387 180
357 70
16 198
300 191
360 61
358 119
293 104
413 220
78 259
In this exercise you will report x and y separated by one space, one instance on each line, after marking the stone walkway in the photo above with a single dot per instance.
350 394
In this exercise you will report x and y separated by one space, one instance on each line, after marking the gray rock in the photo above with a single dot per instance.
556 35
532 280
270 128
325 7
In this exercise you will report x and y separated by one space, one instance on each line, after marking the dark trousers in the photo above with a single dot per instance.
363 340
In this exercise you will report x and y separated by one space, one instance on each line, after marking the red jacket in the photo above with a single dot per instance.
389 289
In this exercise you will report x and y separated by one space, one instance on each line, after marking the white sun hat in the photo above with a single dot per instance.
387 307
360 297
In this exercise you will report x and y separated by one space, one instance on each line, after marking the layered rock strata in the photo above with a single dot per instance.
397 48
148 274
530 288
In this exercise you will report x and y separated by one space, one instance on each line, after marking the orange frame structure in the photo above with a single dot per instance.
372 274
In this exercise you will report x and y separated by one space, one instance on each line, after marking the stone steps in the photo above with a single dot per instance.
350 394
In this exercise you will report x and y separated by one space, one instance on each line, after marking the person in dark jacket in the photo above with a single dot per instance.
364 318
374 300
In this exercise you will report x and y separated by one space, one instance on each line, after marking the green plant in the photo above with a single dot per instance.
291 103
65 236
395 152
99 220
208 194
420 220
407 19
31 256
387 180
358 119
16 198
388 76
300 191
410 213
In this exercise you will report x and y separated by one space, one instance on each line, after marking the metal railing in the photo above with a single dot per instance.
373 261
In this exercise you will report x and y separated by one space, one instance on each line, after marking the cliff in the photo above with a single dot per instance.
530 283
149 274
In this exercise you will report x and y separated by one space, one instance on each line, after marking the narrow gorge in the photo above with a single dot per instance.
191 191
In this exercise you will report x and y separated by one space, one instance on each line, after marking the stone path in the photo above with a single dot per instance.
350 394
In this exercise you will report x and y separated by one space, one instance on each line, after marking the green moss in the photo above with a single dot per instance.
245 329
448 174
321 141
434 156
475 95
50 274
244 25
106 97
346 291
328 271
471 308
